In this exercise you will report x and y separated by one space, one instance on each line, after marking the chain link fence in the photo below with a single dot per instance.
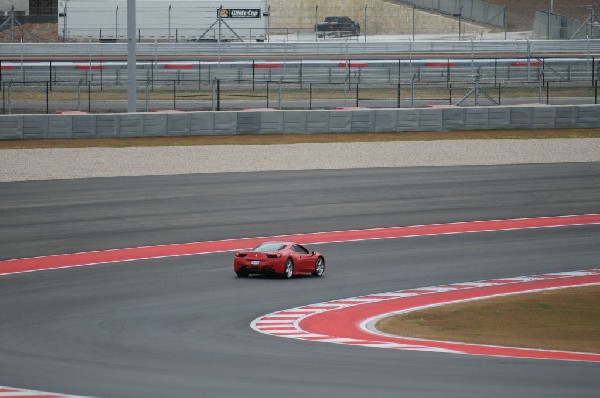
190 95
473 10
552 26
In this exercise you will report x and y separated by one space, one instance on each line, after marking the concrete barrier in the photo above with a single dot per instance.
154 124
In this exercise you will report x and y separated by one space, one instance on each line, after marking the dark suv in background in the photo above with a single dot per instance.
337 26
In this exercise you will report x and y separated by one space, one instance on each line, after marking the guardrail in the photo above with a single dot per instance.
289 122
334 49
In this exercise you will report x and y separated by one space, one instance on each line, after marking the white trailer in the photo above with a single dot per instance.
175 20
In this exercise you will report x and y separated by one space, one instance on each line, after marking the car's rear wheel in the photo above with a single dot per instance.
288 269
242 273
319 267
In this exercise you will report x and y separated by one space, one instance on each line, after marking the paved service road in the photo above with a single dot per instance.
179 327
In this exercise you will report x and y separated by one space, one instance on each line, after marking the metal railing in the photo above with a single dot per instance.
329 48
440 70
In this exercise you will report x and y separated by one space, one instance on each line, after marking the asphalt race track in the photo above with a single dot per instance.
180 326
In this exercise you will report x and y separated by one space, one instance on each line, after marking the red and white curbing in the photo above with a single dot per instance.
59 261
20 393
350 321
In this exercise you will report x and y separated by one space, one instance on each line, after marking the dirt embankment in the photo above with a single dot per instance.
521 13
31 33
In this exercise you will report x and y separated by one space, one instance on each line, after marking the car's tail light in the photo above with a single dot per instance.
278 255
238 254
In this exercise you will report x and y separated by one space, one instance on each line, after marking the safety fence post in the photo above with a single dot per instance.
218 94
174 94
47 99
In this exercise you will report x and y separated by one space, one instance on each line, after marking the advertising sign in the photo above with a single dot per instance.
238 13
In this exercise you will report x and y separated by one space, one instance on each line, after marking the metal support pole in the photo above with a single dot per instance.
548 26
460 22
65 24
199 75
316 22
541 86
79 95
10 97
499 93
169 23
47 100
593 70
592 21
12 25
528 61
279 98
413 22
146 99
412 95
505 23
253 74
365 27
131 57
218 95
117 23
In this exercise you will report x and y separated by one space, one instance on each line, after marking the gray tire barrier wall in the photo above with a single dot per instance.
297 121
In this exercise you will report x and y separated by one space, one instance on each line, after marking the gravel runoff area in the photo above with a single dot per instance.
47 164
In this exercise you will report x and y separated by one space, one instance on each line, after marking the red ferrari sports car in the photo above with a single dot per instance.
280 258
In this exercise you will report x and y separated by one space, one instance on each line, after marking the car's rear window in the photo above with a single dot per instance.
269 247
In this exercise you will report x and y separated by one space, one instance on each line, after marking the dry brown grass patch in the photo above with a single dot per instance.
297 138
565 319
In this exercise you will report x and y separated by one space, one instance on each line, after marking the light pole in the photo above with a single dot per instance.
592 21
316 22
131 57
64 15
459 15
169 23
460 23
268 22
365 27
117 24
413 21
